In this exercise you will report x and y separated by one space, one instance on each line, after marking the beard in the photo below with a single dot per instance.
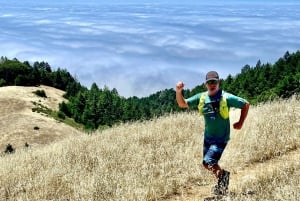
212 90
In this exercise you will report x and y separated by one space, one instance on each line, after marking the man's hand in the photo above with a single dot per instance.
237 125
179 86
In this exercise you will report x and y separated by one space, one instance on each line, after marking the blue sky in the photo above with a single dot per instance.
141 48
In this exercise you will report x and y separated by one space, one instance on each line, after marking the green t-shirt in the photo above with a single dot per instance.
216 127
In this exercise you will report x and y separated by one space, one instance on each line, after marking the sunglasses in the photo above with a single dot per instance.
212 82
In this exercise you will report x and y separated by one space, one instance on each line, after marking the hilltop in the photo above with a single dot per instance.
19 124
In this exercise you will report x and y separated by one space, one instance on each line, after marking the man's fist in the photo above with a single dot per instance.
179 86
237 126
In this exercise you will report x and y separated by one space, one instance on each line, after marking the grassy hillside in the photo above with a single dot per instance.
19 124
159 160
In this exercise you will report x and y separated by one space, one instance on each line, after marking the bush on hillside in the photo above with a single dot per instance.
9 149
40 93
61 115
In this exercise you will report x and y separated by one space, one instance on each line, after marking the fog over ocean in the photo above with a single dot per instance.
142 48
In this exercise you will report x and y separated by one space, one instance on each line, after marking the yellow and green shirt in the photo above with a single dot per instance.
217 126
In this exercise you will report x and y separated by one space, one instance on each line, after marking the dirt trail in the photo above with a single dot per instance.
249 173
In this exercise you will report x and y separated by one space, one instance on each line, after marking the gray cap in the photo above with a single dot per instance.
212 75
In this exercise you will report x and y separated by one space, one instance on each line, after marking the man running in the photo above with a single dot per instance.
214 105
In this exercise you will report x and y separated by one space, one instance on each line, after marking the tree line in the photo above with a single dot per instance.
101 107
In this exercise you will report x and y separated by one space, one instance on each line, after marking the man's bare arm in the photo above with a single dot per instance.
179 97
244 112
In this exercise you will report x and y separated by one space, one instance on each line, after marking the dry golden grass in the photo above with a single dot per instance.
17 121
161 160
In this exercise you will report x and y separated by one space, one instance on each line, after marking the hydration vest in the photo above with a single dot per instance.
223 107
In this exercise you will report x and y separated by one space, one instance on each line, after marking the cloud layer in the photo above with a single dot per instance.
141 49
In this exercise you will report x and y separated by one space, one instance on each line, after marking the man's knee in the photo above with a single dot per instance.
209 164
215 168
206 165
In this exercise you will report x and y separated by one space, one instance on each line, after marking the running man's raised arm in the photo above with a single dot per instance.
179 97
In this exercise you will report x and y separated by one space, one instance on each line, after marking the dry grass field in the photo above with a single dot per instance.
152 160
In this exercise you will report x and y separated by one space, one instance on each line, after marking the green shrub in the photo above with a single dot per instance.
2 82
9 149
40 93
61 115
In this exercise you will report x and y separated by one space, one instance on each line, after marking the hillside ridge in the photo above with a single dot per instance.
20 125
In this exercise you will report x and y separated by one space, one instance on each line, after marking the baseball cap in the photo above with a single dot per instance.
212 75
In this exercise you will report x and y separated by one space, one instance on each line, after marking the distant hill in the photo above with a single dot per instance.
19 124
